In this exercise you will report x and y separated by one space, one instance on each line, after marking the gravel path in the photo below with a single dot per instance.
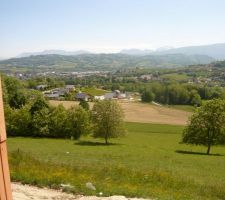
25 192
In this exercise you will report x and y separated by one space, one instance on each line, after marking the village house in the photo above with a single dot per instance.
146 77
109 96
102 97
41 87
56 93
70 88
83 96
117 95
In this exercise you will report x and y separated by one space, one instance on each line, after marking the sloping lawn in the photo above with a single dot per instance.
148 162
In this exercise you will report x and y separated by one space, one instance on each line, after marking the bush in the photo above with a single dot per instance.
57 122
18 121
78 122
147 96
40 120
84 104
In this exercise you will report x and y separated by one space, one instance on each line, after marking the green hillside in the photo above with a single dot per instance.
104 61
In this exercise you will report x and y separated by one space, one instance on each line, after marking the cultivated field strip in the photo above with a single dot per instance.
144 113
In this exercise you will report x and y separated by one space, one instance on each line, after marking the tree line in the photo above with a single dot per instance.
28 114
177 94
164 92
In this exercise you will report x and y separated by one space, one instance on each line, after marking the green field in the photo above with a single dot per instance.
175 77
187 108
94 91
148 162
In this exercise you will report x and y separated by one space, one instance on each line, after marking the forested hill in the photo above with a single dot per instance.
220 64
105 61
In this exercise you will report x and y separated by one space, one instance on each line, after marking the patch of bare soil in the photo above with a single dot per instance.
26 192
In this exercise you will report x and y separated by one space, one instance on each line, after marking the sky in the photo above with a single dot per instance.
108 25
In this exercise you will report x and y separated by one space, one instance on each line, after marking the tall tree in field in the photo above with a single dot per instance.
108 120
207 126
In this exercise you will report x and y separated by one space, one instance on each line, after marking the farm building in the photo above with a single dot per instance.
41 87
56 93
117 95
70 88
52 96
102 97
83 96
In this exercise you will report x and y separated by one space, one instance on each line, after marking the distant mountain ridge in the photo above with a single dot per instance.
136 52
104 61
58 52
217 51
127 58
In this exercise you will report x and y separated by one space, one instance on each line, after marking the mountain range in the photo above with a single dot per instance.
217 51
58 52
128 58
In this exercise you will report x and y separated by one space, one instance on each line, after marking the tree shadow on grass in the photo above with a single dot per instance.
198 153
90 143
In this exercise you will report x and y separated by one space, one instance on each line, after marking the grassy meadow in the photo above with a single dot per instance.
187 108
149 162
175 77
94 91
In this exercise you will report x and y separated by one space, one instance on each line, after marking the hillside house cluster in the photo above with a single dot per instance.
108 96
59 92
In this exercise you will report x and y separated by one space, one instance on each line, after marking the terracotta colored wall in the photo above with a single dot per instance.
5 186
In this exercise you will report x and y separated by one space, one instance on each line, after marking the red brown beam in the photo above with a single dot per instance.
5 184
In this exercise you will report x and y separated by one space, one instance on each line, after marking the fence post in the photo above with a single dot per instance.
5 184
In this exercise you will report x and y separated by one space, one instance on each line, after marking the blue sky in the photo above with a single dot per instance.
108 25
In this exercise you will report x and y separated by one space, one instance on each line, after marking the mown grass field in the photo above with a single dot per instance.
146 112
94 91
148 162
175 77
187 108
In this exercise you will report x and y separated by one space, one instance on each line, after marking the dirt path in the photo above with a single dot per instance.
145 113
25 192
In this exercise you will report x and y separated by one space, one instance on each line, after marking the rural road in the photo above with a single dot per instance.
25 192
